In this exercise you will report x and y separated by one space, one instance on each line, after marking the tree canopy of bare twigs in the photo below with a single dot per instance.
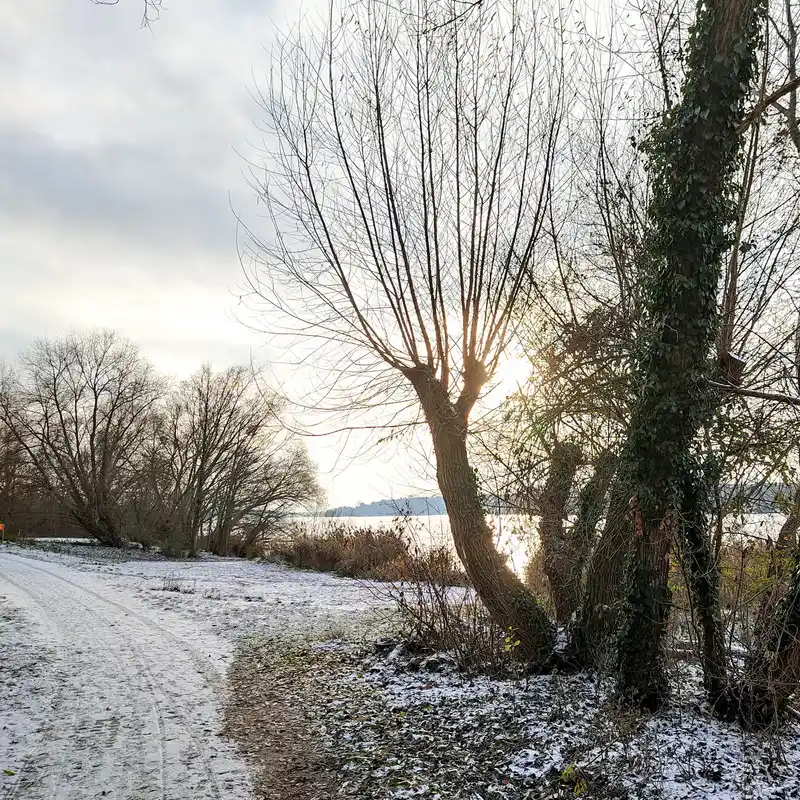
233 469
92 435
411 170
78 407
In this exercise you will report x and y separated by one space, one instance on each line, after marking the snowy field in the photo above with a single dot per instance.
113 686
113 673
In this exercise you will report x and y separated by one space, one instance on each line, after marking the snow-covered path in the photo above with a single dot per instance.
100 697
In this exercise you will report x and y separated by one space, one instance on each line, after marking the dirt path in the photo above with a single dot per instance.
268 718
100 699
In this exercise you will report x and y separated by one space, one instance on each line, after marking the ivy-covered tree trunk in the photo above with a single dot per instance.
510 603
693 156
702 571
599 609
782 560
773 671
787 536
560 549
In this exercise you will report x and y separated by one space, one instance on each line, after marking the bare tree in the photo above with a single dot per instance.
79 406
222 466
156 505
410 172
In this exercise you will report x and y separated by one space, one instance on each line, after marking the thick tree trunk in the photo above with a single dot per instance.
642 680
787 536
197 503
703 579
100 525
510 603
195 526
693 160
106 535
600 602
782 554
220 544
591 506
90 508
559 547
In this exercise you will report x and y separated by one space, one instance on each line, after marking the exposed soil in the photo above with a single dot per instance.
273 731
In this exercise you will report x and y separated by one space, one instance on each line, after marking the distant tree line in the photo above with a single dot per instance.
395 507
92 439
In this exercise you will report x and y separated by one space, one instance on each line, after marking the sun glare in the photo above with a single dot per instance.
511 374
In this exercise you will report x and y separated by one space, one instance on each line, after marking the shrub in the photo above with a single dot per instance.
175 583
752 574
436 618
384 554
437 611
174 544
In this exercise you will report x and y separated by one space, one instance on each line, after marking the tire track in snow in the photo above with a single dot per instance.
30 760
207 670
138 665
157 696
70 727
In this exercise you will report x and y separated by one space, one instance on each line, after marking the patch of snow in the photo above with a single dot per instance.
65 540
127 701
115 684
477 737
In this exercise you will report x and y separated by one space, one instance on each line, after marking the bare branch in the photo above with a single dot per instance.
771 99
151 12
770 396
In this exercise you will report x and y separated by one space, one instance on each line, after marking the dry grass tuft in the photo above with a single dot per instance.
383 554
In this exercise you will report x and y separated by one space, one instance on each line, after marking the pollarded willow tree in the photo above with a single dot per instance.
411 174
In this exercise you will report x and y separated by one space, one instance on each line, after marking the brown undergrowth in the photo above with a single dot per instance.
384 554
266 715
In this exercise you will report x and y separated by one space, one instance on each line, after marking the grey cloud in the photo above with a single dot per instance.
146 196
132 134
117 157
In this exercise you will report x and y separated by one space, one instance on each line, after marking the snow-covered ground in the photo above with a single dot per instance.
112 673
402 731
112 684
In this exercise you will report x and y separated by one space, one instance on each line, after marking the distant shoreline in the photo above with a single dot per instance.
396 507
418 506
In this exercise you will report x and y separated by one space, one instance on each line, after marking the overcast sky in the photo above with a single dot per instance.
119 164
